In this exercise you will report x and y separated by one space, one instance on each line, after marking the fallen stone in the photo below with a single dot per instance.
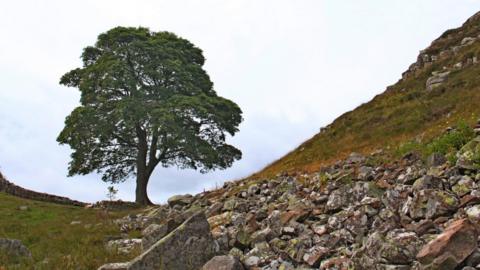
124 246
188 247
180 200
450 248
223 263
14 248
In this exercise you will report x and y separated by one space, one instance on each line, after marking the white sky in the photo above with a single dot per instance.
292 66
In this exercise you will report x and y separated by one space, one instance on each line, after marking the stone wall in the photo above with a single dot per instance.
12 189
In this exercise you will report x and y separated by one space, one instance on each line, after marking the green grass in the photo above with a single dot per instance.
55 244
406 112
447 143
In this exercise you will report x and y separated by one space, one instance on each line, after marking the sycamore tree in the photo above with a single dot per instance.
146 101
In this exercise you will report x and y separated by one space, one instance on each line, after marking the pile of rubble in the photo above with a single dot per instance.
356 214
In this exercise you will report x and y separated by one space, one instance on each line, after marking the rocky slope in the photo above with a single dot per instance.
440 88
360 213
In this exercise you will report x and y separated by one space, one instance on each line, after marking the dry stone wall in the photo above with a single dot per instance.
12 189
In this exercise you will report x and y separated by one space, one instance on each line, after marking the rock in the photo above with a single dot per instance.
467 41
252 261
338 198
436 159
473 259
336 263
431 203
223 263
314 256
365 173
468 154
75 222
218 220
319 229
14 248
428 182
355 158
243 239
214 209
436 80
23 208
187 247
114 266
450 248
124 246
152 234
464 186
473 212
180 200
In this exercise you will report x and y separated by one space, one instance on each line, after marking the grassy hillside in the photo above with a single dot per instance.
46 229
405 111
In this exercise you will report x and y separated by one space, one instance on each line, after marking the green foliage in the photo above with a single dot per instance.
112 193
409 147
451 141
146 100
447 144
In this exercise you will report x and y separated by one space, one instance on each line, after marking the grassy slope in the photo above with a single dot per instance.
403 112
55 244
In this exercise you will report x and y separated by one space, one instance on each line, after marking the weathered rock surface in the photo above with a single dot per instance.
188 247
180 200
223 263
450 248
124 246
14 248
436 80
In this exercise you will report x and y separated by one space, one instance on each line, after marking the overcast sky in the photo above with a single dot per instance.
292 66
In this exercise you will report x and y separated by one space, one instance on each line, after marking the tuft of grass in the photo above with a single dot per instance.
447 143
46 230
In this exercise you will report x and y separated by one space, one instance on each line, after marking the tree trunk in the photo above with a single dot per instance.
143 175
141 196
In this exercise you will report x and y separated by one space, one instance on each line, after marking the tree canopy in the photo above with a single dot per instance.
146 100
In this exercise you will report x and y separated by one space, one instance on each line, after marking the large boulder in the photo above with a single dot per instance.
451 247
188 247
223 263
14 248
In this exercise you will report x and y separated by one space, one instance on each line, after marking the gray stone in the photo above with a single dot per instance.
223 263
180 200
436 80
355 158
188 247
252 261
114 266
14 248
124 246
152 234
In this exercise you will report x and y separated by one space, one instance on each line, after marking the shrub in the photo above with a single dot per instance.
451 141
